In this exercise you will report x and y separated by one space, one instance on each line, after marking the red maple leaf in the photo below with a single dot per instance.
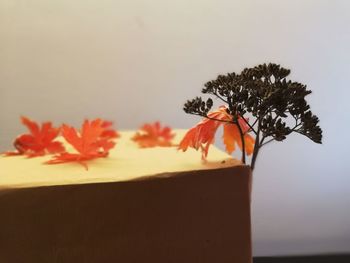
94 141
152 135
202 135
40 140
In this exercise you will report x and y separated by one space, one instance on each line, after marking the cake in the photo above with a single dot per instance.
154 205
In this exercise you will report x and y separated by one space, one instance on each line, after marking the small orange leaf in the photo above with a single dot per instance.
152 135
94 141
202 135
40 140
249 143
230 135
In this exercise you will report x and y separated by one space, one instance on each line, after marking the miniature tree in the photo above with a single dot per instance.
271 105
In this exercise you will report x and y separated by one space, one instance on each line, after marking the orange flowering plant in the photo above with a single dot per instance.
263 93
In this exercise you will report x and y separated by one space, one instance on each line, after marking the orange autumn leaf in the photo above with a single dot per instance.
202 135
231 137
94 141
105 140
152 135
39 141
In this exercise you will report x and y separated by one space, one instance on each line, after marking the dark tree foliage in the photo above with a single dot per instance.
264 93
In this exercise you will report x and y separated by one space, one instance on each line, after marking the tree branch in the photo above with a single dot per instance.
262 144
242 140
256 148
296 126
221 98
251 127
256 120
210 118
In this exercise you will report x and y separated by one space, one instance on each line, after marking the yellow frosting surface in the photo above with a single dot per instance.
126 162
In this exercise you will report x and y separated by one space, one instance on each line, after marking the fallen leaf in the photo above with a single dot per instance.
94 141
39 141
202 135
152 135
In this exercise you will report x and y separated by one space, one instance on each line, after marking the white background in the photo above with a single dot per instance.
133 61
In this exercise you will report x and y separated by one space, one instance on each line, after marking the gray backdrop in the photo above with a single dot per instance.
133 61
